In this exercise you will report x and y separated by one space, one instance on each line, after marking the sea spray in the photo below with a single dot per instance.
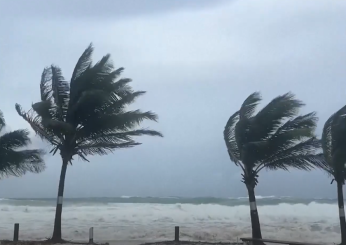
153 219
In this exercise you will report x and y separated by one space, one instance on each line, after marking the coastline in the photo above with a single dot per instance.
120 242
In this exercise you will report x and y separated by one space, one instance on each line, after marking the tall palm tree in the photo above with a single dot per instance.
86 116
334 150
274 138
15 160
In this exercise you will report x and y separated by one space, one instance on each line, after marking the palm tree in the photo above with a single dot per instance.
334 150
86 116
14 159
274 138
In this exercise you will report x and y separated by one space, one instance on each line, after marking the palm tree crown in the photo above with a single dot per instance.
14 160
334 145
274 138
87 116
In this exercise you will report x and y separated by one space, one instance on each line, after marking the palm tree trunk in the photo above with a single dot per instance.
57 223
341 213
256 227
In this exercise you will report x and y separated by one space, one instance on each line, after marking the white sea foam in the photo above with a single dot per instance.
211 222
257 197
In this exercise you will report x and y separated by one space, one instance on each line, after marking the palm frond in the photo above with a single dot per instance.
122 87
305 147
338 130
44 109
248 107
305 150
334 144
17 163
2 121
60 93
45 84
14 139
93 103
97 78
273 115
102 148
119 137
116 105
104 66
127 99
229 137
36 125
243 134
327 139
301 162
94 77
290 133
114 123
83 63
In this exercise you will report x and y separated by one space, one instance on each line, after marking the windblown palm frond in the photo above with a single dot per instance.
83 63
2 121
13 159
271 117
248 107
301 156
229 137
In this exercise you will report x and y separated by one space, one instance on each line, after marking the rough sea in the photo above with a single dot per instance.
153 218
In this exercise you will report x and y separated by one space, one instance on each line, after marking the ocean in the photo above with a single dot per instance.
154 219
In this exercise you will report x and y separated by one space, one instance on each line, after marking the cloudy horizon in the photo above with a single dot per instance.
198 60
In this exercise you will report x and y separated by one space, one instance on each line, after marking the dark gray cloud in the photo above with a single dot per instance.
103 10
198 60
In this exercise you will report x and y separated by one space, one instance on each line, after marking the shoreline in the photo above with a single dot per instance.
120 242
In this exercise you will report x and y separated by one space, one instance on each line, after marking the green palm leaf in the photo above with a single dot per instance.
13 159
334 145
60 93
248 107
230 140
2 121
271 117
83 64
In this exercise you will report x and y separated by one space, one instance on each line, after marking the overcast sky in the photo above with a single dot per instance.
198 60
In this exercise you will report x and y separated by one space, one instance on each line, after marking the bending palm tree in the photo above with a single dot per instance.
274 138
86 116
17 162
334 150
